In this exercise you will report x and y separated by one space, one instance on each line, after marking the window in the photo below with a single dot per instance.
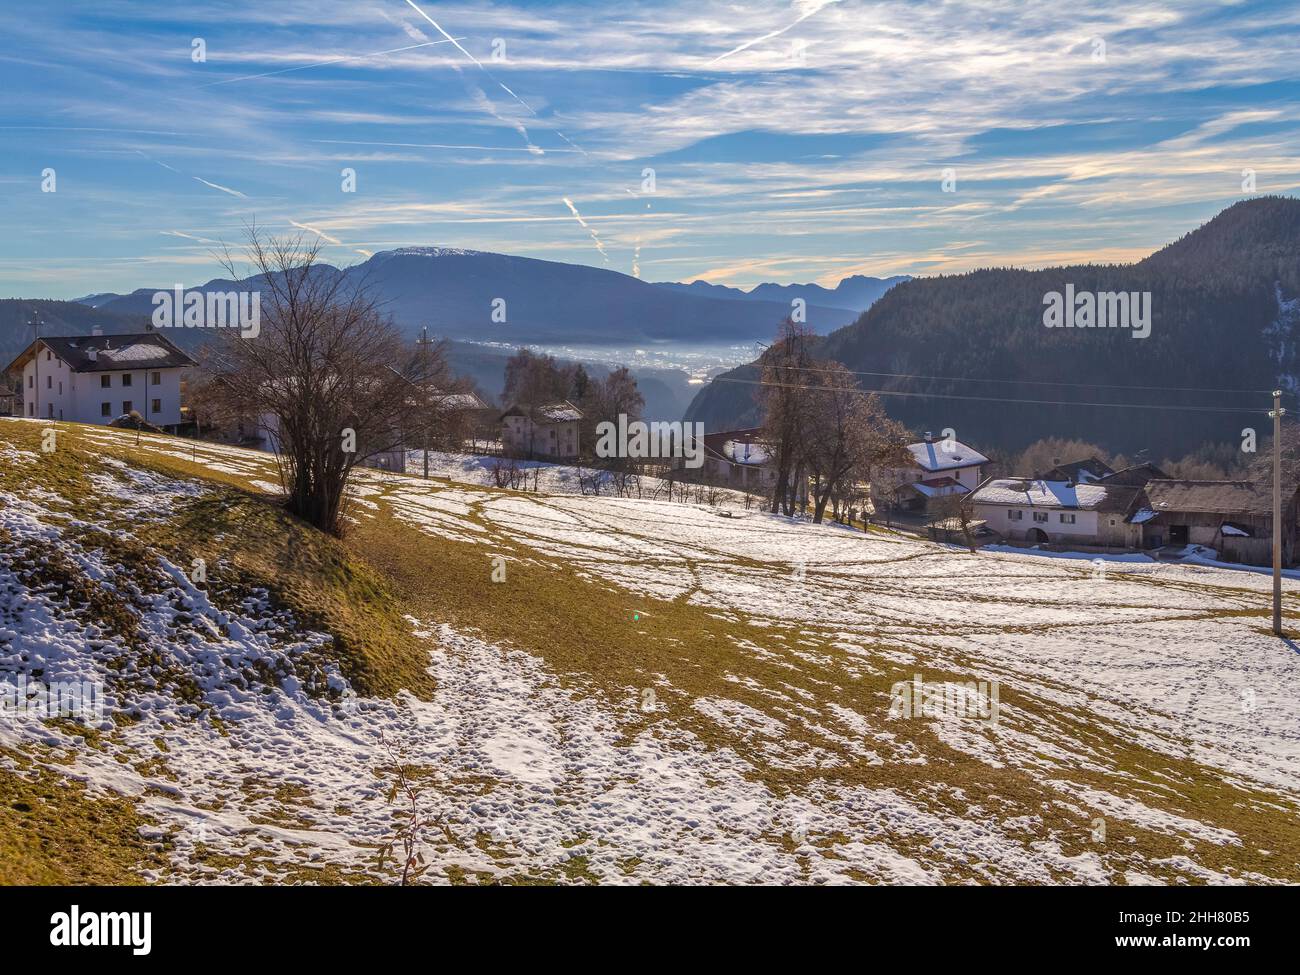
1015 515
47 356
31 382
49 382
1040 516
1066 519
126 379
31 409
60 387
105 381
157 379
49 407
157 406
126 406
105 409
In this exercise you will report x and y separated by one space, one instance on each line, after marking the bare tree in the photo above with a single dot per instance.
783 397
327 376
846 436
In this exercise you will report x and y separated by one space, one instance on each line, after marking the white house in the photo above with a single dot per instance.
939 468
98 378
549 431
1039 511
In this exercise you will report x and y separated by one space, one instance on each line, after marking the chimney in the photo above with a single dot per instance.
96 331
929 437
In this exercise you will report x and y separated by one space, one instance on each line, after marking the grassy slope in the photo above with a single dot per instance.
73 839
586 627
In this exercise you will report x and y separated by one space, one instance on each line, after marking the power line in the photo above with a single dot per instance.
1034 382
994 399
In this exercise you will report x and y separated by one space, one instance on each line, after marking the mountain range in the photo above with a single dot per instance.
971 351
455 291
856 293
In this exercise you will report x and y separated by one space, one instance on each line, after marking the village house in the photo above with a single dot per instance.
98 378
737 459
939 469
1080 471
1083 503
1041 511
1235 518
549 432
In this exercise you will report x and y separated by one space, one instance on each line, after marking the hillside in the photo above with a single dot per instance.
452 291
651 693
1224 311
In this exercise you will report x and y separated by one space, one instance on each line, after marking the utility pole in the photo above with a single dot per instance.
1277 511
36 324
424 393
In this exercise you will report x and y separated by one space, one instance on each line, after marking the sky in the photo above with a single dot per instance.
730 142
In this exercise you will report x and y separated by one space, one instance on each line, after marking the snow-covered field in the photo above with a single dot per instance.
1125 694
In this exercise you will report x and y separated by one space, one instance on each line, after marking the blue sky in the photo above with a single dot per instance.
789 141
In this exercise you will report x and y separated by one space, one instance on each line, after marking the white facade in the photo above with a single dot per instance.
53 390
1020 522
1035 510
547 431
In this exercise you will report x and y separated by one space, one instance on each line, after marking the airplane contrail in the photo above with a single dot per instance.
321 64
218 186
479 64
776 33
437 145
319 233
578 216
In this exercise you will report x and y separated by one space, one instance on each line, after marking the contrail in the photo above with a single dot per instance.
578 216
218 186
178 233
173 169
818 5
438 145
481 67
319 233
321 64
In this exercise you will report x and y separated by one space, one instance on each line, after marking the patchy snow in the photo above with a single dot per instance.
545 774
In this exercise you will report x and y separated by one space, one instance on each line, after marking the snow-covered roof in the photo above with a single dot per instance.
1042 494
945 455
938 487
744 452
559 412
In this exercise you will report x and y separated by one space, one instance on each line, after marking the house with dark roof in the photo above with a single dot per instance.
98 378
1078 471
1082 503
549 431
1235 518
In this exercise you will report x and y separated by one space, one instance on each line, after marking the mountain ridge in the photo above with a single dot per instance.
1220 296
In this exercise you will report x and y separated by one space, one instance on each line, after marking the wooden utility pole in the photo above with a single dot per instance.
36 324
1277 511
424 393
